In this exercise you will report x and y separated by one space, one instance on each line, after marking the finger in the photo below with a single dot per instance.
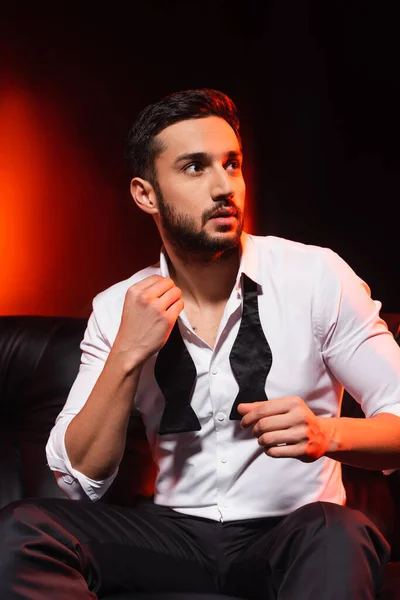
298 451
267 408
168 298
291 436
273 423
147 282
156 288
174 310
243 409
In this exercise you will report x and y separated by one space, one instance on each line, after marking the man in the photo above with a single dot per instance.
234 350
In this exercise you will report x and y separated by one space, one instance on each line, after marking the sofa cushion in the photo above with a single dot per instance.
39 360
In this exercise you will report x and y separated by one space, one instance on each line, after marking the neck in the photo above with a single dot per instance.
204 279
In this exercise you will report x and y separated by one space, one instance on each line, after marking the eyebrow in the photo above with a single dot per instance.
205 156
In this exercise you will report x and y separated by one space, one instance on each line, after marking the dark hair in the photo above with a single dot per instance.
143 148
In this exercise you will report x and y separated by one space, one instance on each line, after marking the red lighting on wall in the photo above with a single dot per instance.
55 221
23 257
64 233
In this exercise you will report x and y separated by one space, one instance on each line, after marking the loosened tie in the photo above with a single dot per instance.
251 356
176 375
250 360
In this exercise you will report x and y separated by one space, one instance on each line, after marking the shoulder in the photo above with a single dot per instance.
291 257
315 280
283 246
301 271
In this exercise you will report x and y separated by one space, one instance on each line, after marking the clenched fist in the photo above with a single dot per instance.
150 310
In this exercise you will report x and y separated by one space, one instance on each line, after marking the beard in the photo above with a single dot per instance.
190 241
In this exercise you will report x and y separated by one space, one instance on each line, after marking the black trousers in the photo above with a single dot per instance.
63 550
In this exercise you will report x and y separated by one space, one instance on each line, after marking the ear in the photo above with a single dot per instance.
143 194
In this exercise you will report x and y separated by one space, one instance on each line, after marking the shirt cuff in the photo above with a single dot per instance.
74 483
71 481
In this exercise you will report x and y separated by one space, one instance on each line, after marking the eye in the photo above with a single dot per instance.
193 168
233 165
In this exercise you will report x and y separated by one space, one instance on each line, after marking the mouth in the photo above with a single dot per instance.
224 213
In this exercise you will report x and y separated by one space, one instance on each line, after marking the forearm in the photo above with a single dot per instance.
95 439
371 443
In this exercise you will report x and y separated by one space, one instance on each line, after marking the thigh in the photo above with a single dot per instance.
318 538
145 547
245 570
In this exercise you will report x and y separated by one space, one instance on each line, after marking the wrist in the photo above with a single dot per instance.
331 434
127 362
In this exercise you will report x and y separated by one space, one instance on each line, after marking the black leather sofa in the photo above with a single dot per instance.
39 359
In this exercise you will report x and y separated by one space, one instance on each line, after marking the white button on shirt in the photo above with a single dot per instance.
324 332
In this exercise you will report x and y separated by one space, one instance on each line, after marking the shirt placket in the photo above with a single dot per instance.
219 382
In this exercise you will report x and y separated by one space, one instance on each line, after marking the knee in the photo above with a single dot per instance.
333 516
343 519
333 521
352 528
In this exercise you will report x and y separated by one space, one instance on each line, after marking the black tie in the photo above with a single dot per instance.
176 375
250 360
251 356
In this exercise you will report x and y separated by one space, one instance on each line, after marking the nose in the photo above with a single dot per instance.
222 187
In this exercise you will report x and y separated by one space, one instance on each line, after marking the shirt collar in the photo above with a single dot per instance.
164 270
248 262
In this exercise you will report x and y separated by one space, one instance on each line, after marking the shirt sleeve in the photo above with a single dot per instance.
356 344
95 349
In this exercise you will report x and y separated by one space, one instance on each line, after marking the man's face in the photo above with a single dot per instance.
200 187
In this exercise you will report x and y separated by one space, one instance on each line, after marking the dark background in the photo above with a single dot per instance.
316 84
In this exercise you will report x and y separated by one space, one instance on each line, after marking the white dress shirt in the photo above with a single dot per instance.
324 331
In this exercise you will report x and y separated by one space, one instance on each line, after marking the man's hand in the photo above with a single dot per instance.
286 427
150 311
95 438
